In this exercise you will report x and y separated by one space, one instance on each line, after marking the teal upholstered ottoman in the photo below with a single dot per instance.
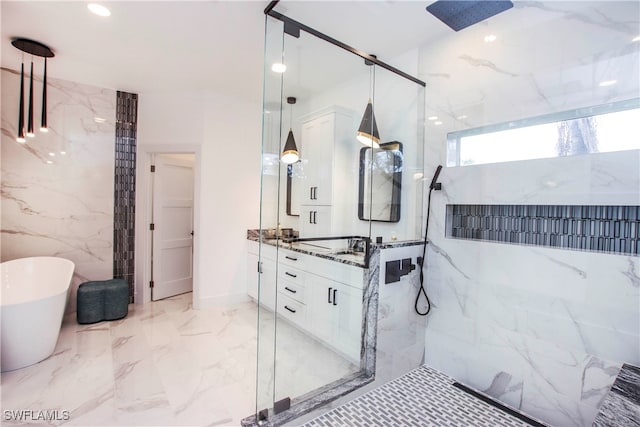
102 300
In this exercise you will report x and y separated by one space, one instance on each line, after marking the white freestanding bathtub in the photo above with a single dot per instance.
32 299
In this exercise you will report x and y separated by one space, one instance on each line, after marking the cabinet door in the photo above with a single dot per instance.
321 311
315 221
317 142
267 284
252 275
348 311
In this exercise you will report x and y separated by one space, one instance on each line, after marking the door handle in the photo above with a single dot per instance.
291 258
260 267
310 217
329 296
290 290
315 216
335 297
290 274
191 233
310 193
290 309
315 193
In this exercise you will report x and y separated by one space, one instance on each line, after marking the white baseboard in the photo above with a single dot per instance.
208 302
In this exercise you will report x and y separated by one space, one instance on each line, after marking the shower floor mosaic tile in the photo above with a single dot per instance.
423 397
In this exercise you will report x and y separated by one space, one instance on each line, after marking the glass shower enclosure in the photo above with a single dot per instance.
351 181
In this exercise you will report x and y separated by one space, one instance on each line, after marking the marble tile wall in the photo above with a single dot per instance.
544 330
57 188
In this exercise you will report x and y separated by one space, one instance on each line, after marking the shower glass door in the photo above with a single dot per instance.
318 214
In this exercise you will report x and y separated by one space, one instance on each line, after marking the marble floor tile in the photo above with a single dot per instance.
166 365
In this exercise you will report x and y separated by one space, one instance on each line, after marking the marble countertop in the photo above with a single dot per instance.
621 406
338 254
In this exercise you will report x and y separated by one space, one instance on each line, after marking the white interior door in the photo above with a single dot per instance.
172 263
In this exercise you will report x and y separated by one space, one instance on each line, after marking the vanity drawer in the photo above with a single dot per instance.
293 290
292 274
292 258
292 310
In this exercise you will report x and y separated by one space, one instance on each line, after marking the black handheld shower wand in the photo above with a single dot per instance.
435 185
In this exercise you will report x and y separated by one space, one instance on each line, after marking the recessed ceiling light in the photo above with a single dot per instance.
49 162
608 83
52 154
99 120
63 153
490 38
438 123
462 117
636 39
98 9
278 68
432 118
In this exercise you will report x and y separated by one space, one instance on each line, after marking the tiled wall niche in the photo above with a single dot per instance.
610 229
124 196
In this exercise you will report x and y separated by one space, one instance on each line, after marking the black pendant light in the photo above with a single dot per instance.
43 118
37 49
290 153
368 130
30 133
20 137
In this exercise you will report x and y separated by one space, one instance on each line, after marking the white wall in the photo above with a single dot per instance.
226 131
543 330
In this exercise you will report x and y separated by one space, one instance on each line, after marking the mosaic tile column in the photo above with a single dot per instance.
125 189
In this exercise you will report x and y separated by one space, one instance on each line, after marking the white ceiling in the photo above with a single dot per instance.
201 45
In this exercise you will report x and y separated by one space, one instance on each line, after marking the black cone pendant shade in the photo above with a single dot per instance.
368 130
30 133
290 152
20 137
43 118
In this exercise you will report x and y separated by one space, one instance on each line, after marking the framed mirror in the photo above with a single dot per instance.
380 182
294 186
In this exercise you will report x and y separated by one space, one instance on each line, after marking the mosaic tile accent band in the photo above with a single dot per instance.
610 229
422 397
125 189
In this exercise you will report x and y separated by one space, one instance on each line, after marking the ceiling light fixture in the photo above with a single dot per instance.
98 9
636 39
438 123
99 120
33 48
432 118
608 83
278 68
462 117
290 152
368 131
490 38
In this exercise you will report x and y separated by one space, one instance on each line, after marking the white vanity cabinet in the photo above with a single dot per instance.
336 315
329 167
320 296
263 271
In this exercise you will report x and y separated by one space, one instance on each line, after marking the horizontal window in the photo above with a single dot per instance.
604 128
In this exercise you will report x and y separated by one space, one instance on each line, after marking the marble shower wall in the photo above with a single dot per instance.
57 188
544 330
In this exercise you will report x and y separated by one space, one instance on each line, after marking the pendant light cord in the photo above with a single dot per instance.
422 290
